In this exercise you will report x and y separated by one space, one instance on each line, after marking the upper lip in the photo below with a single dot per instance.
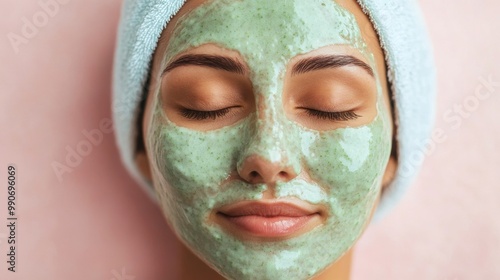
269 209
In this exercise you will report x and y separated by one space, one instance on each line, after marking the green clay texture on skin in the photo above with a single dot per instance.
190 167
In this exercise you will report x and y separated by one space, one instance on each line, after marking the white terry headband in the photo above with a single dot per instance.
408 55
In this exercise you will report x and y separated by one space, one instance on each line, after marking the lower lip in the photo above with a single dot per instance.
278 226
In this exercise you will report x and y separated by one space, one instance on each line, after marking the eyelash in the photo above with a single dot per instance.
204 115
213 115
333 116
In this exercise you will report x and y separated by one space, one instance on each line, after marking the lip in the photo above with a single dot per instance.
269 219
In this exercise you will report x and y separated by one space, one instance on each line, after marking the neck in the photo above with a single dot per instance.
191 268
340 270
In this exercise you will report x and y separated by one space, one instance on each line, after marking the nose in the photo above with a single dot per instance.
258 170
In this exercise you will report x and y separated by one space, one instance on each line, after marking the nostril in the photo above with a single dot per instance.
257 170
283 174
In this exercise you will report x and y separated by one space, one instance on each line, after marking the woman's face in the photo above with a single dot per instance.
268 134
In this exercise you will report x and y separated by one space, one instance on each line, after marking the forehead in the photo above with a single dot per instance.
267 31
368 34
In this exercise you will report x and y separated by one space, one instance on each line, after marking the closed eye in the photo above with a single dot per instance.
332 116
204 115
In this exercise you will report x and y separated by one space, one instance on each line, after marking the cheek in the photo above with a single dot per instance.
350 163
193 162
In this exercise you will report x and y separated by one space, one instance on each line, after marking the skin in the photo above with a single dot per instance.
340 269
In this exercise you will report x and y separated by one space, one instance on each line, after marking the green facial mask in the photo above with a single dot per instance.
190 167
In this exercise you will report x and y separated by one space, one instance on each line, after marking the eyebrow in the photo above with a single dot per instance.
212 61
329 61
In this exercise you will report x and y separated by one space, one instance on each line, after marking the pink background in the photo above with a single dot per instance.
95 221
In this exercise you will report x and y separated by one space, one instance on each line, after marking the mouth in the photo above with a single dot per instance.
269 219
